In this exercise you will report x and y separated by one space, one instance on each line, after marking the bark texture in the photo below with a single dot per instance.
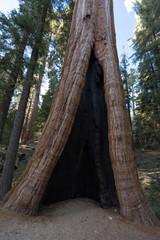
84 168
92 29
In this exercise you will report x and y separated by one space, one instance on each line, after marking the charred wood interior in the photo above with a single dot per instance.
84 168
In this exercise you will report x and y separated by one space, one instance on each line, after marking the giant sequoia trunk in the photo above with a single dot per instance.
86 146
85 163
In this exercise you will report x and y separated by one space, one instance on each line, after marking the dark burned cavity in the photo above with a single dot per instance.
84 169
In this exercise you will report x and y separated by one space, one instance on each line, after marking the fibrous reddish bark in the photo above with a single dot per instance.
92 29
84 168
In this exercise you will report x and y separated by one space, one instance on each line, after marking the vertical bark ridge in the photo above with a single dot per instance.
133 203
87 149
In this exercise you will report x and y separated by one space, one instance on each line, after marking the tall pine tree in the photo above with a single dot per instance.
146 44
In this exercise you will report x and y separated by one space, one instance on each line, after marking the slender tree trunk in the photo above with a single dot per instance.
127 97
133 108
128 100
9 91
92 29
26 115
8 169
29 126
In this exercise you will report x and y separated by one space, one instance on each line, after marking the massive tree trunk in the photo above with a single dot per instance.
6 100
85 162
6 179
92 30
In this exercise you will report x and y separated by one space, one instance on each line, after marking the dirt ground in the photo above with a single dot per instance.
78 219
148 163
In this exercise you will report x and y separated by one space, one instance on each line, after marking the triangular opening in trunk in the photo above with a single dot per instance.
84 168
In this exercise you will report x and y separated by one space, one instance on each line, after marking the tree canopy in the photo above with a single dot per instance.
146 44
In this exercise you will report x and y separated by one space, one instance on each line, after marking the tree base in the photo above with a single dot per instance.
84 169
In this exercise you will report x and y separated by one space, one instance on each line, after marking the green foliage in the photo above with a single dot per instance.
152 192
44 109
153 164
62 35
129 78
60 20
14 27
9 123
146 43
60 26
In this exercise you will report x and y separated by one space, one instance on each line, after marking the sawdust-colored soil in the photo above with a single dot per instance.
78 219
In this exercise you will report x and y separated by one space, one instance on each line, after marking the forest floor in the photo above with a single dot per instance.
79 219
